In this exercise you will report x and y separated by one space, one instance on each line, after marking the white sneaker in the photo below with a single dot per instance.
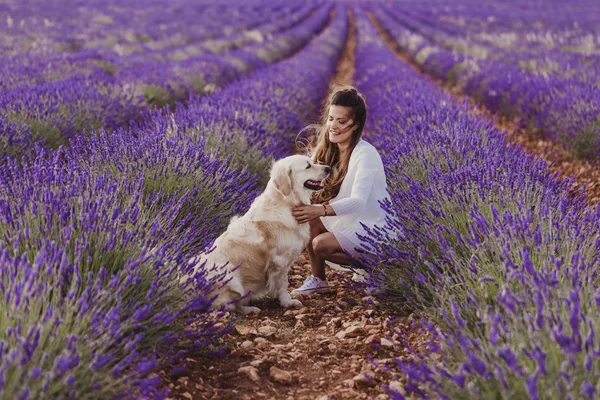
311 284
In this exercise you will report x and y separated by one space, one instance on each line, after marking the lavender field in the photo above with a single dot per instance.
131 132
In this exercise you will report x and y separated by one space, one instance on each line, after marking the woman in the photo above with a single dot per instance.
351 194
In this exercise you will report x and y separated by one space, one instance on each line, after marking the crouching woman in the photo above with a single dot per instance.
351 194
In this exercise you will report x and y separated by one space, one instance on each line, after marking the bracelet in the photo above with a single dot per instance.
325 208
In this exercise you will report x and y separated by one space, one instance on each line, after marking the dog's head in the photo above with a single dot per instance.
295 177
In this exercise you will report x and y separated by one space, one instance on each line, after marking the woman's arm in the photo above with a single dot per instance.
366 171
308 213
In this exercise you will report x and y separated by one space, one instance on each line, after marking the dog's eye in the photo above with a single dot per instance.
308 166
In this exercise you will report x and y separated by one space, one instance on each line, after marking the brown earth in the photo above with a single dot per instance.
336 346
557 158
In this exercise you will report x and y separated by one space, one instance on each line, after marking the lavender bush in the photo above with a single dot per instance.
538 65
60 93
483 242
97 234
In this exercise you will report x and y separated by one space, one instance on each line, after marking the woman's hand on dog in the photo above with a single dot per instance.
305 214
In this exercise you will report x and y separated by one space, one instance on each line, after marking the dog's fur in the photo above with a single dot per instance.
267 240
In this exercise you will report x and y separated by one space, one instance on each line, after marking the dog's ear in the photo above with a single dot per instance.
282 180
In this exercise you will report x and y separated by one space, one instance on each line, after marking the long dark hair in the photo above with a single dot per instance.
322 151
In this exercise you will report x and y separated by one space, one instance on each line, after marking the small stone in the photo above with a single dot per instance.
386 343
341 335
348 383
362 380
398 387
245 330
288 346
251 372
372 339
183 381
187 395
267 330
354 331
256 363
382 396
302 316
299 325
246 344
280 376
368 367
335 322
323 397
262 343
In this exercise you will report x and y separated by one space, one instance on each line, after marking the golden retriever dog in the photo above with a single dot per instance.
265 242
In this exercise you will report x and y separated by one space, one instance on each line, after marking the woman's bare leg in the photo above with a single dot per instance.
317 264
326 247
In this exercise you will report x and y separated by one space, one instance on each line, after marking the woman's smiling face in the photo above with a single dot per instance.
340 125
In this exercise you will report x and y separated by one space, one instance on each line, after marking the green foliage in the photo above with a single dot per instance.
157 96
586 144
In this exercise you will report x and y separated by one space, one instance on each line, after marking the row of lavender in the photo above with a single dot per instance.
483 242
538 63
97 234
52 95
33 26
127 35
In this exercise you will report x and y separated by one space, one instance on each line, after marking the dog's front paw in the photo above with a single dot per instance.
291 303
248 310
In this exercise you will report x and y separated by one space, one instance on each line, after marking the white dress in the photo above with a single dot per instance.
358 200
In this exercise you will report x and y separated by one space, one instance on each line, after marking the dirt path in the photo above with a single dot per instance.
556 157
345 70
320 351
326 349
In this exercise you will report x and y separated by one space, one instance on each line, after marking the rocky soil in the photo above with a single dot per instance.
338 345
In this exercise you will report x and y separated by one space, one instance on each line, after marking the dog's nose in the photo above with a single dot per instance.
327 169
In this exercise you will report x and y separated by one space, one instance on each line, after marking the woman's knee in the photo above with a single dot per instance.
323 245
318 244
